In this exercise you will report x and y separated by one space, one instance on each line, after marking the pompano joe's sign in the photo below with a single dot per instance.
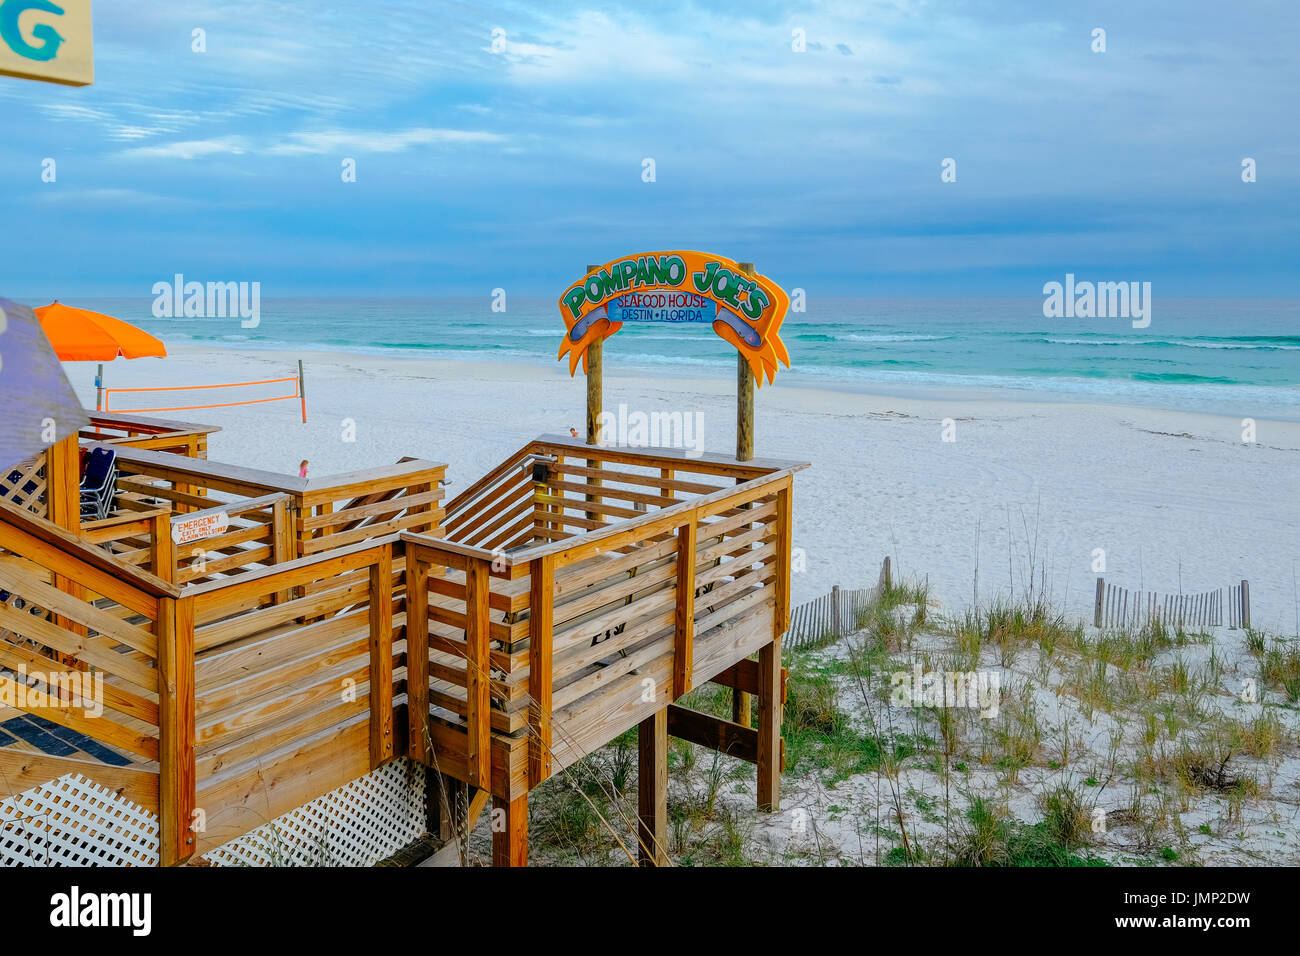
746 309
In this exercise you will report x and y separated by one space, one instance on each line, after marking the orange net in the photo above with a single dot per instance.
297 394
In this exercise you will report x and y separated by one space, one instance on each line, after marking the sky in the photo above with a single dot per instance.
513 163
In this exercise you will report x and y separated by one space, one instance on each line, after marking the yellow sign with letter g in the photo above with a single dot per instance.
49 40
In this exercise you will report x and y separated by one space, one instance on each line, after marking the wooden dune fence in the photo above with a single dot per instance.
1119 607
827 618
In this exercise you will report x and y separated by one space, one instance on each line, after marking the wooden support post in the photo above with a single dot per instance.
381 658
541 618
1096 607
417 657
63 508
742 708
510 831
177 778
302 391
595 390
283 549
744 397
162 550
63 484
769 727
837 613
652 789
446 803
478 700
595 406
784 551
744 410
1245 605
684 636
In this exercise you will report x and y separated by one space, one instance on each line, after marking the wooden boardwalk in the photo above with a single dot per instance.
333 626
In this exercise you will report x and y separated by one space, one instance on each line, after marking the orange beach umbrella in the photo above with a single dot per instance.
79 335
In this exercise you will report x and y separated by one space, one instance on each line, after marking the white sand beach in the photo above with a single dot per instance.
1174 499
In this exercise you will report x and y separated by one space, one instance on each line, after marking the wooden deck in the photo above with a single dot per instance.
571 594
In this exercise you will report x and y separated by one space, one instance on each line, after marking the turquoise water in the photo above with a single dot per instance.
1230 356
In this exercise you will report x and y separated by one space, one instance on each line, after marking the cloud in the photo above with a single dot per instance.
373 141
72 111
105 196
191 149
315 143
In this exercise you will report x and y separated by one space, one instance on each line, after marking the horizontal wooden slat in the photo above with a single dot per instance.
616 478
110 625
367 532
93 650
21 771
724 736
115 698
404 502
100 728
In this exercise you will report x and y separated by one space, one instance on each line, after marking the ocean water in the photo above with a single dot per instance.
1226 356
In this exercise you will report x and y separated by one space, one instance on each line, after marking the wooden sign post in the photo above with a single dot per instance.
595 407
595 385
47 40
744 397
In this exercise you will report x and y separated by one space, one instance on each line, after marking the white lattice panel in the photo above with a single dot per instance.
73 821
356 825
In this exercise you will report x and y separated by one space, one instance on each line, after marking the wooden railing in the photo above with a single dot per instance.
259 534
71 609
150 434
297 698
560 638
555 488
497 508
140 538
344 509
324 513
225 703
58 468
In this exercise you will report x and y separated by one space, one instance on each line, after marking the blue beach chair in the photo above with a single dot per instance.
99 485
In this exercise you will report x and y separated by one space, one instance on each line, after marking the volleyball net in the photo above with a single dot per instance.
185 398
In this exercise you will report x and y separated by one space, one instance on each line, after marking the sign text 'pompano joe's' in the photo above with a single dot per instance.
746 310
48 40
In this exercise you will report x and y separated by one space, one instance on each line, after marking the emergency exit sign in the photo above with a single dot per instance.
47 40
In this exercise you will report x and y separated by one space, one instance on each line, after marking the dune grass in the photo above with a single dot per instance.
1143 725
